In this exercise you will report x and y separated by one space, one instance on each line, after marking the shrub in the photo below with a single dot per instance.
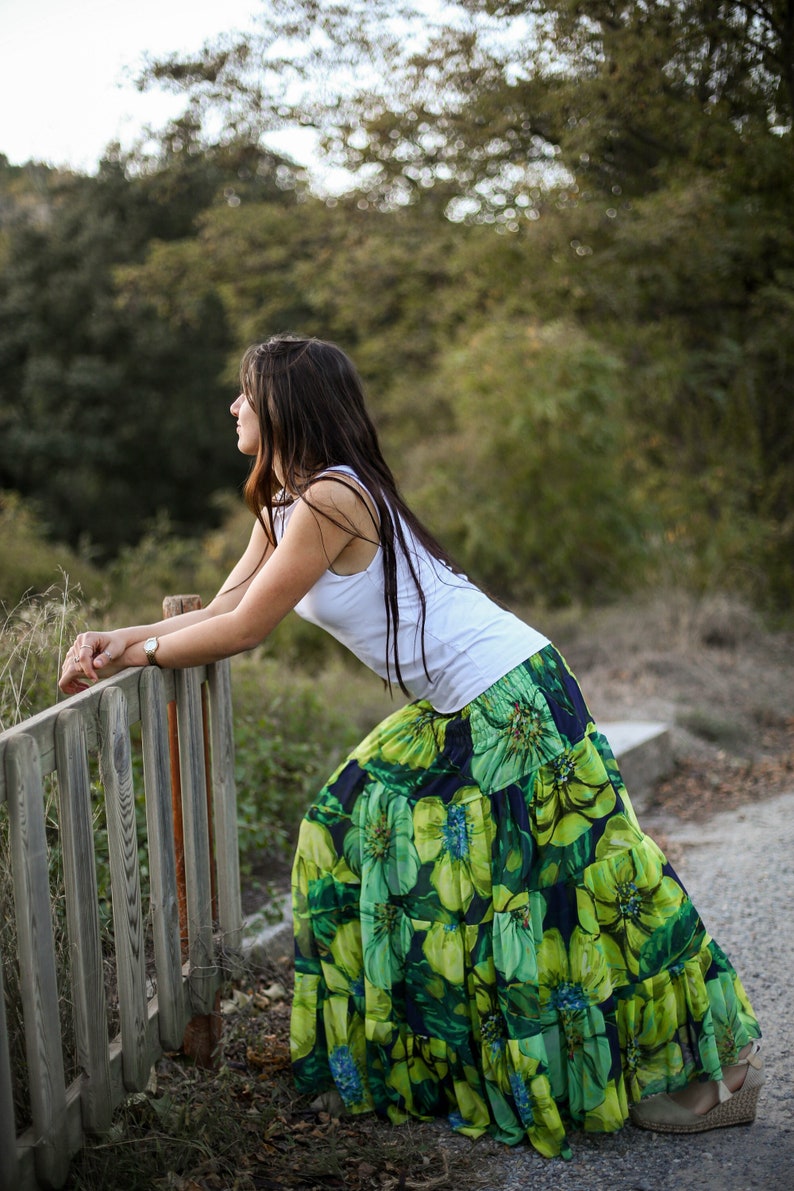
29 563
292 728
530 487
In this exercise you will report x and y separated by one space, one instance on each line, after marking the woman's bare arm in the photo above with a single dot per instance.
96 650
249 606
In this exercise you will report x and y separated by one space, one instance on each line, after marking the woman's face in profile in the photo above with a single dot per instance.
247 425
248 433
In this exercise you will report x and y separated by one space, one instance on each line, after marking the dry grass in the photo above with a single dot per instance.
33 637
244 1128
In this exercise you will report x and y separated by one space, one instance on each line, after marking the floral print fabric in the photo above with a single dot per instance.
483 930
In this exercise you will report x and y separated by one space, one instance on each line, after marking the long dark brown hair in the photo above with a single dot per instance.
312 414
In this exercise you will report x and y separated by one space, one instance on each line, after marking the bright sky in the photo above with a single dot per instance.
64 94
67 70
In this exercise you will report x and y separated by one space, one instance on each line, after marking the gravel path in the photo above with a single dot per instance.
738 869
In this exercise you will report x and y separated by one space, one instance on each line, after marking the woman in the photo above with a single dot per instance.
482 929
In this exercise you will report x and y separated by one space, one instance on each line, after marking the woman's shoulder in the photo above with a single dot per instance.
334 484
338 488
338 493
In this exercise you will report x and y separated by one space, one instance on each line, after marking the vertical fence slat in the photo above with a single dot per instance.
173 1014
197 850
85 943
116 770
175 605
37 959
225 806
9 1175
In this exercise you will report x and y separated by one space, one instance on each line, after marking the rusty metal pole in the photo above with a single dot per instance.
202 1034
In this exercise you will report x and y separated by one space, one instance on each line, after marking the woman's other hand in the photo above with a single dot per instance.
92 656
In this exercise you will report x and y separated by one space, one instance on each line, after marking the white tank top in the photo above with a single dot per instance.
469 640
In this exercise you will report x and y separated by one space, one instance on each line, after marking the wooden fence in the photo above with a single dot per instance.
158 997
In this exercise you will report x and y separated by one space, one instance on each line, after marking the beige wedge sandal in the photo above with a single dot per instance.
663 1114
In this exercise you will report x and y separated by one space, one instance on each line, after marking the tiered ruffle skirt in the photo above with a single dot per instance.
484 932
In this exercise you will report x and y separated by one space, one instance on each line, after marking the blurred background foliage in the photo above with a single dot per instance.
564 266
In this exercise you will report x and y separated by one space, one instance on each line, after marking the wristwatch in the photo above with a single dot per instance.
150 649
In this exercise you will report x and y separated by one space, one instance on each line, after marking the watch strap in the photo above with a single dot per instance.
150 649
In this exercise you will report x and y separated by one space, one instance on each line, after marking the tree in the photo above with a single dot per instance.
109 414
530 483
491 99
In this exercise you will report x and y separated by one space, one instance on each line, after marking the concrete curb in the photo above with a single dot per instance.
643 750
645 753
267 934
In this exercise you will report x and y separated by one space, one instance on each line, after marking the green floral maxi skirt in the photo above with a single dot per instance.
484 932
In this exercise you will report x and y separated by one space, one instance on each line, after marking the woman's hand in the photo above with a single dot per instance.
92 656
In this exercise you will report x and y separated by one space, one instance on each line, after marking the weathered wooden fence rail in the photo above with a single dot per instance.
154 1007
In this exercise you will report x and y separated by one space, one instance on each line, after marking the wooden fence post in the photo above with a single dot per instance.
85 939
115 767
203 1031
8 1138
162 861
37 972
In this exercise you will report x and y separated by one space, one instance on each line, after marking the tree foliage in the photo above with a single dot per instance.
565 266
109 414
531 480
